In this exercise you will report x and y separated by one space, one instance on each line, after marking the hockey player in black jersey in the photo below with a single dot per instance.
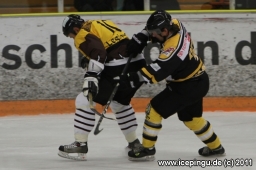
186 84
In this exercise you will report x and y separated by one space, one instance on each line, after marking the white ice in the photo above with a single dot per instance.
31 143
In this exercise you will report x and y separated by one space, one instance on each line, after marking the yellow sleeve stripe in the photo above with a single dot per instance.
152 78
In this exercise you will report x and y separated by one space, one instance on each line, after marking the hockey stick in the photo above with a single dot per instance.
94 110
97 130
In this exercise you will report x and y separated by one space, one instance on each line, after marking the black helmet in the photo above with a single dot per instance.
70 22
158 20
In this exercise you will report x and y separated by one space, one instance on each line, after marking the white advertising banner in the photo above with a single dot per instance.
38 62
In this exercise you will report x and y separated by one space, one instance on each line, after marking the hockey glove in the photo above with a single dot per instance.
129 80
84 63
90 84
137 44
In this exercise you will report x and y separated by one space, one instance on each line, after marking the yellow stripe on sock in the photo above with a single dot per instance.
148 143
153 116
213 145
196 124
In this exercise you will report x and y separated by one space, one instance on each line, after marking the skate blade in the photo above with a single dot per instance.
215 155
219 155
79 157
145 158
127 149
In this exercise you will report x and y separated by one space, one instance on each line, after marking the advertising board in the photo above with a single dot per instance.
38 62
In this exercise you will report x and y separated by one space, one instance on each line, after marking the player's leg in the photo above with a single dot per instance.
122 108
152 126
161 106
127 122
84 121
192 118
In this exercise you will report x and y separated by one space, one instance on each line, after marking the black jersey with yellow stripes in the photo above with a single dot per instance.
177 60
96 36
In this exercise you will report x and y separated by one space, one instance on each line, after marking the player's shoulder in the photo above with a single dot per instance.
166 52
171 46
176 21
173 41
100 21
80 36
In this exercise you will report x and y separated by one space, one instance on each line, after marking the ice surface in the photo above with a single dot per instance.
31 142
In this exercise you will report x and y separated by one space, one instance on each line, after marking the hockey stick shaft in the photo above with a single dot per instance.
97 131
94 110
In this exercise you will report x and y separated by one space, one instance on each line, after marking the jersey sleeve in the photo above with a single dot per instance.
90 46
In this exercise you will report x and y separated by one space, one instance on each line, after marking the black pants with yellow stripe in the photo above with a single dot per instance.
185 99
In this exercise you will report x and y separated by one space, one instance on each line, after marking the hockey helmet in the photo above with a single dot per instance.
158 20
70 22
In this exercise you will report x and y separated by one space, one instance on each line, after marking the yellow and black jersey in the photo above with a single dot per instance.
96 36
177 60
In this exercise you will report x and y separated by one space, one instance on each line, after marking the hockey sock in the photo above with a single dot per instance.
84 119
204 131
126 119
83 124
151 128
130 137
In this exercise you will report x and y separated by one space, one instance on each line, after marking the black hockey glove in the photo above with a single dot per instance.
136 44
90 84
128 80
84 62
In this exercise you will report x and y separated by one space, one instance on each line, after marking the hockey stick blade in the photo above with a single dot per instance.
95 111
97 129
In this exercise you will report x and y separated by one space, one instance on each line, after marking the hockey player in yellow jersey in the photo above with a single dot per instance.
186 84
103 45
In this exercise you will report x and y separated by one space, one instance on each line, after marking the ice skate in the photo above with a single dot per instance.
139 153
133 144
75 151
205 151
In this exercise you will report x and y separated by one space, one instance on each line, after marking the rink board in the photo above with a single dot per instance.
40 72
35 107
